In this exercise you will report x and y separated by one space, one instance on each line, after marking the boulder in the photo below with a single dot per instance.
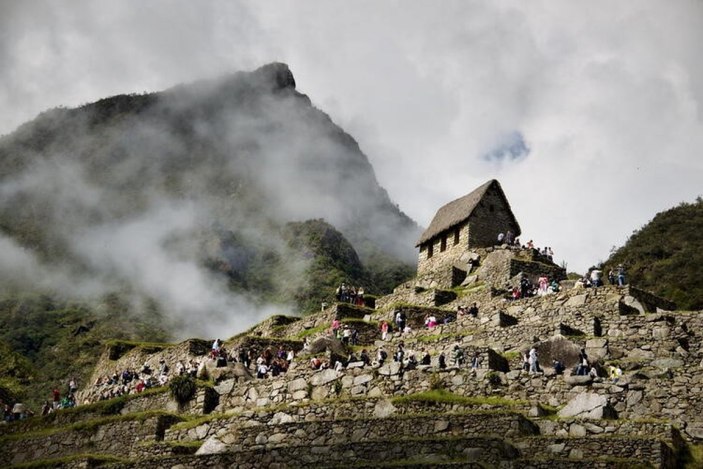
211 446
665 363
588 405
576 380
383 409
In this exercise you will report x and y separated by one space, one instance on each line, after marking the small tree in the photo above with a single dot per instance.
183 388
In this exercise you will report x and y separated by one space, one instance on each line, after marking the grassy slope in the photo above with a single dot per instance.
666 255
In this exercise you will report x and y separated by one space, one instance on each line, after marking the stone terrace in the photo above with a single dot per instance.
495 415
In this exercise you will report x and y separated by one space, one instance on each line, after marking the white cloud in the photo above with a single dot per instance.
607 96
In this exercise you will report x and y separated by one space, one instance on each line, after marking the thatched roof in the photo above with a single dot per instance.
459 210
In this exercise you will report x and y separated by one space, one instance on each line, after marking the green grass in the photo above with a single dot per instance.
511 355
358 321
437 337
88 425
312 331
441 396
693 457
196 421
136 343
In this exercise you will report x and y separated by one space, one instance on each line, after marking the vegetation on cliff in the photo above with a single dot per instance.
45 341
665 255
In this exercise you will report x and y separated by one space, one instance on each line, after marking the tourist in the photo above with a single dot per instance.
475 361
621 275
431 321
56 395
360 296
582 368
516 294
399 353
384 330
501 236
457 355
346 335
426 358
335 327
596 278
614 373
525 361
525 286
364 357
558 367
315 363
509 237
381 356
400 319
611 277
473 310
533 361
543 282
262 370
73 385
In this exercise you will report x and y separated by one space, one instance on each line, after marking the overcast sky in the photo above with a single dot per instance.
589 114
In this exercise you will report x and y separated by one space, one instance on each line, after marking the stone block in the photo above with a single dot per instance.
577 300
362 379
577 430
596 343
320 392
281 417
389 369
588 405
383 409
323 377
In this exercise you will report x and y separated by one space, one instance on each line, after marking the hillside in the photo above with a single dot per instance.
113 195
666 254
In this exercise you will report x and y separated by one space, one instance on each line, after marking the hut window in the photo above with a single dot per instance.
456 236
443 244
429 250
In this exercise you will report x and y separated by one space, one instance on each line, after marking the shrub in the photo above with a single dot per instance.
436 382
183 388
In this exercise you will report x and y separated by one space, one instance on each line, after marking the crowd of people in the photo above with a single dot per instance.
594 278
508 238
350 294
527 289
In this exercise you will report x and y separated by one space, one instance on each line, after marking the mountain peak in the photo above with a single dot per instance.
276 73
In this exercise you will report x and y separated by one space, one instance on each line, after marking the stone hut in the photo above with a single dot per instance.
469 222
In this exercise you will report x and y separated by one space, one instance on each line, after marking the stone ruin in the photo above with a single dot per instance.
494 414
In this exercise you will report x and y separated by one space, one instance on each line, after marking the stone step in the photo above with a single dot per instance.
652 451
551 463
421 452
238 434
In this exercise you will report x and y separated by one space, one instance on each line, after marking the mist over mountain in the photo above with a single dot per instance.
183 197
